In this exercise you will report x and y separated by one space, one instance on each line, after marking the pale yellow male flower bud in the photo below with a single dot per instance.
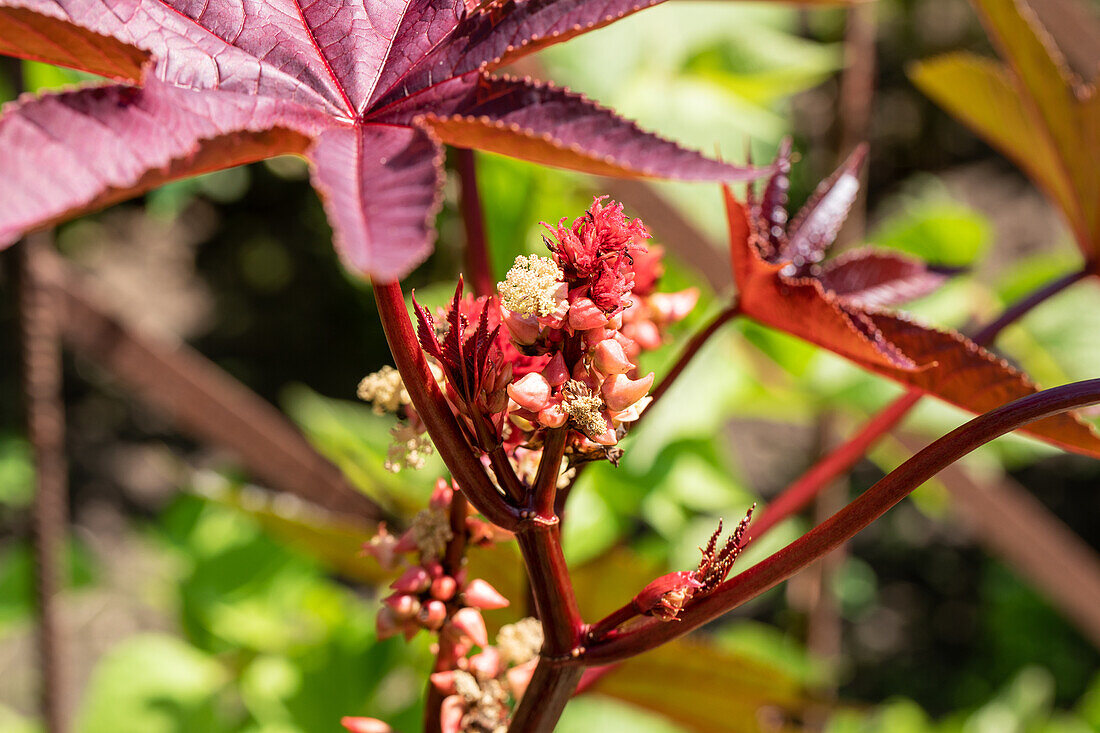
531 286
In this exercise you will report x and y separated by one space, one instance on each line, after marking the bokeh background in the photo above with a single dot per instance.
196 601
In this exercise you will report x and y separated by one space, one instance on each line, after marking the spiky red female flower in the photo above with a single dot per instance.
596 252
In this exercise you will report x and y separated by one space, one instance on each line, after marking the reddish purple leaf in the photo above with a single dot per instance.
365 90
868 277
819 221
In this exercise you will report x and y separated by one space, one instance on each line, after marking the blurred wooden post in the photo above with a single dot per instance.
856 102
45 415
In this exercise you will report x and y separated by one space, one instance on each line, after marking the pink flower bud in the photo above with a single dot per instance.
524 331
555 371
385 623
404 606
413 580
531 391
584 314
444 588
442 495
671 307
451 711
433 614
610 358
407 543
486 664
665 596
520 676
365 725
480 594
444 681
434 568
552 416
620 391
469 623
608 437
647 335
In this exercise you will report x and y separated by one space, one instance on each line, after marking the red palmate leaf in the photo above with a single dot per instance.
941 363
367 90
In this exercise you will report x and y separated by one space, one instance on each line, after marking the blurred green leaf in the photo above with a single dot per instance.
153 683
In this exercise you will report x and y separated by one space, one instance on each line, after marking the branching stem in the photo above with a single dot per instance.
433 409
843 525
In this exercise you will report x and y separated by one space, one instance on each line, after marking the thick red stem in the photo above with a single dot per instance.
555 678
546 481
433 409
479 270
843 525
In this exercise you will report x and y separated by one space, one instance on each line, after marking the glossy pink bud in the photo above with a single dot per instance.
584 314
365 725
531 391
444 681
444 588
671 307
520 676
615 322
552 416
404 606
665 596
434 568
523 331
413 580
610 358
469 623
451 711
441 495
486 664
386 623
480 594
433 614
647 335
608 437
555 371
620 391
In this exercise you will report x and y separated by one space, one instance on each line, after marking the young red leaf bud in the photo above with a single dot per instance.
444 588
555 371
584 314
365 725
531 392
620 391
433 614
610 358
413 580
469 623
